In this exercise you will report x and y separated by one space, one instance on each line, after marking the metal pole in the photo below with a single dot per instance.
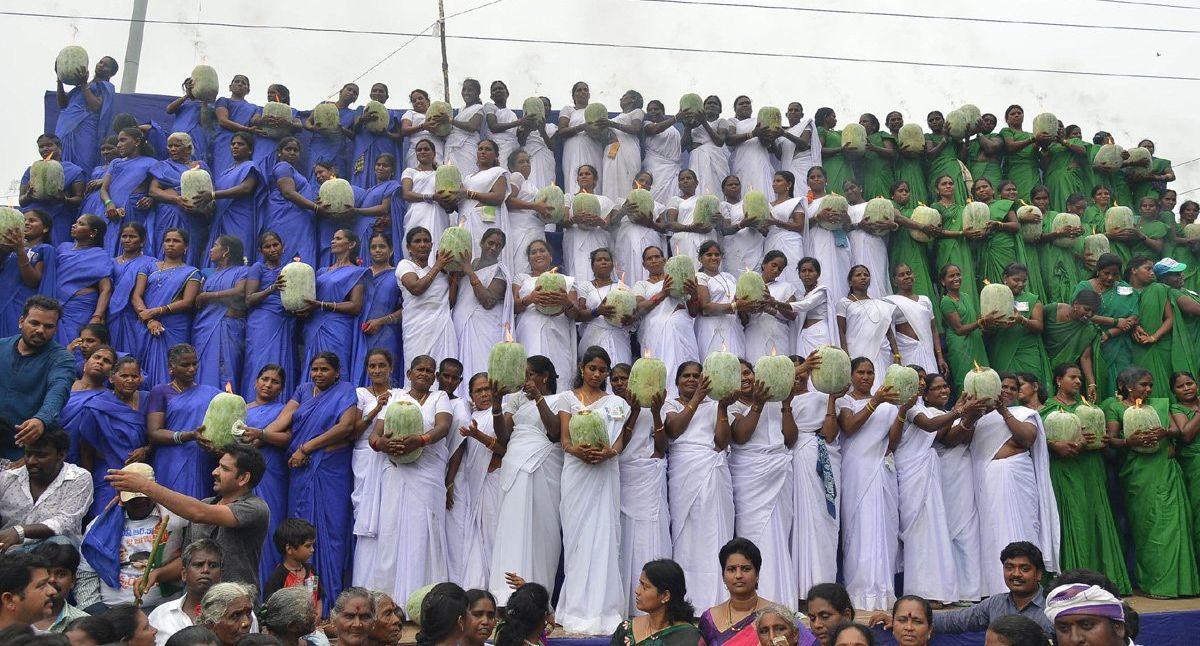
133 48
442 36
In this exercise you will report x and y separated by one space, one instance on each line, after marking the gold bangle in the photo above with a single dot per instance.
870 407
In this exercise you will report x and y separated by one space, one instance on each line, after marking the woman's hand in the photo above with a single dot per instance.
251 435
140 454
1066 449
154 327
605 309
703 389
373 326
298 459
759 392
145 203
498 391
885 394
443 258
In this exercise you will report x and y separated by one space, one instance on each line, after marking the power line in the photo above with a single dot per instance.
1152 4
611 46
887 14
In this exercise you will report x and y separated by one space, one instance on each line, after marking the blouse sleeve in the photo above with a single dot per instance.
842 307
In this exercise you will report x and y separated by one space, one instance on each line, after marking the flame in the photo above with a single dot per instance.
637 185
773 352
229 388
48 156
978 368
1137 403
195 165
646 354
621 280
986 282
508 337
724 348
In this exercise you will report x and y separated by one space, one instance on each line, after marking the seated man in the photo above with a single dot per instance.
1086 614
63 561
26 595
45 498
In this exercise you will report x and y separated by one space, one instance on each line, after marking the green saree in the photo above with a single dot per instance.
946 163
1116 353
1186 254
962 353
1145 188
957 251
988 169
1160 519
1155 357
837 168
1021 167
877 170
903 249
1016 349
1061 176
1153 228
911 170
1185 335
1059 267
1066 341
1000 248
1089 535
1188 457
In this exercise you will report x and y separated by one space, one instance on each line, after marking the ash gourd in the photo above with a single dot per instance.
1138 418
642 202
1139 155
1109 158
534 108
455 240
777 373
551 281
1030 231
770 118
553 196
300 285
911 138
833 373
835 204
447 180
681 269
982 383
724 373
195 182
750 287
1092 420
691 103
226 412
11 220
46 177
755 207
1045 123
623 303
279 111
506 363
67 64
904 381
879 211
326 118
587 429
337 195
585 204
998 298
925 216
594 112
1096 245
707 208
439 109
1118 217
204 83
855 136
412 606
403 418
1063 426
647 379
1060 223
975 216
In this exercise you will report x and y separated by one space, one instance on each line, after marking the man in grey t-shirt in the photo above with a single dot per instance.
235 518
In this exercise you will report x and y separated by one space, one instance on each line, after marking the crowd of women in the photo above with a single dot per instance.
498 486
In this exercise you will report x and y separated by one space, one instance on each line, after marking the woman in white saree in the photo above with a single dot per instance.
799 145
524 222
753 151
536 136
742 239
768 322
830 246
414 127
550 335
718 326
579 146
465 128
368 465
662 149
620 166
482 305
636 232
785 229
481 199
687 234
425 207
426 292
916 332
592 600
868 240
595 328
666 324
816 322
704 137
472 521
865 324
584 233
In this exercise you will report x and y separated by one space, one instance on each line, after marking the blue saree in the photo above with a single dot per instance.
220 338
334 332
169 216
125 189
270 334
273 488
113 430
163 286
240 112
78 269
295 225
186 468
381 297
61 215
80 129
238 217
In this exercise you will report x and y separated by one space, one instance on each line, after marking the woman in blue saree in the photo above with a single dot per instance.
83 278
233 117
382 207
112 428
270 329
85 114
163 298
62 207
271 131
196 118
368 145
92 381
335 146
125 187
328 223
263 408
219 330
175 411
321 415
332 317
171 210
380 318
240 194
27 268
92 201
128 334
289 212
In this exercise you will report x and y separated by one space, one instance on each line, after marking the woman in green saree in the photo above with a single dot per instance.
903 248
1060 160
1028 253
1118 314
1184 414
660 593
1186 333
955 246
1001 243
1020 152
1152 337
1156 501
1185 249
1080 481
942 151
1157 175
964 326
835 157
1150 232
1093 215
910 164
1015 344
878 174
1072 337
986 151
1059 266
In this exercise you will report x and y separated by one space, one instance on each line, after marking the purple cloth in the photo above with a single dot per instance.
169 216
113 430
381 297
128 183
126 332
80 129
334 149
335 332
238 217
186 468
296 226
273 488
199 120
78 269
270 335
92 202
368 146
13 292
240 112
219 338
163 286
327 226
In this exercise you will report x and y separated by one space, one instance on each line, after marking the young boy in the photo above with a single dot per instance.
294 539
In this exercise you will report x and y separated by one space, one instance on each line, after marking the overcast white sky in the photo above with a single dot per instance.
1131 66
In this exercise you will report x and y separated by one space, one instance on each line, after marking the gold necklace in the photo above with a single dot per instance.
587 404
729 609
420 400
175 385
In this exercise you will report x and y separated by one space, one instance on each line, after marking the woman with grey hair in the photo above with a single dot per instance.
289 614
776 626
172 210
226 610
353 616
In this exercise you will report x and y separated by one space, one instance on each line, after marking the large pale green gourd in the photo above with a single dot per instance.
46 177
337 195
533 107
440 109
681 269
755 206
770 118
903 380
1118 217
1045 123
382 120
402 418
553 196
623 303
1137 155
1092 420
594 112
412 606
279 111
642 202
1063 426
778 374
708 207
585 204
724 373
447 179
587 428
911 138
975 216
1095 246
1060 223
223 410
327 118
1109 158
551 281
1191 231
924 215
836 204
1030 231
750 286
455 240
193 183
300 286
1139 418
879 210
855 136
998 298
647 378
205 85
11 220
833 374
982 383
971 111
67 65
691 103
506 365
957 124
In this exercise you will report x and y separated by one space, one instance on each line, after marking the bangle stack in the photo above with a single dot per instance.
177 437
870 407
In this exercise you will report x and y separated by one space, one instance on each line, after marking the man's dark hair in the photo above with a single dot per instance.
42 303
1026 549
450 361
259 639
293 532
16 571
53 438
1133 621
202 546
194 636
59 555
1017 630
1086 577
248 460
124 620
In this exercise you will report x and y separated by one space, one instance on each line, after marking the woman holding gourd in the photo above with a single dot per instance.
331 316
333 146
816 321
424 206
943 151
412 537
1156 321
164 297
465 130
475 473
289 212
1183 414
482 303
481 198
545 318
414 127
537 137
196 119
233 114
917 337
527 217
1061 161
688 233
868 240
579 147
704 138
903 247
219 329
752 147
878 158
785 227
367 463
425 290
998 242
954 245
718 326
964 326
742 237
1118 315
1015 343
584 230
1080 479
271 131
910 161
262 408
1020 152
372 139
379 320
501 120
27 267
663 147
1155 495
769 317
172 210
378 210
183 459
637 230
1059 265
836 158
826 237
865 323
667 313
623 158
985 151
270 329
595 314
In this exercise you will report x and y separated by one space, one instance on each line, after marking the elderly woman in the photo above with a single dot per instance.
353 616
227 610
776 626
289 614
389 620
172 210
